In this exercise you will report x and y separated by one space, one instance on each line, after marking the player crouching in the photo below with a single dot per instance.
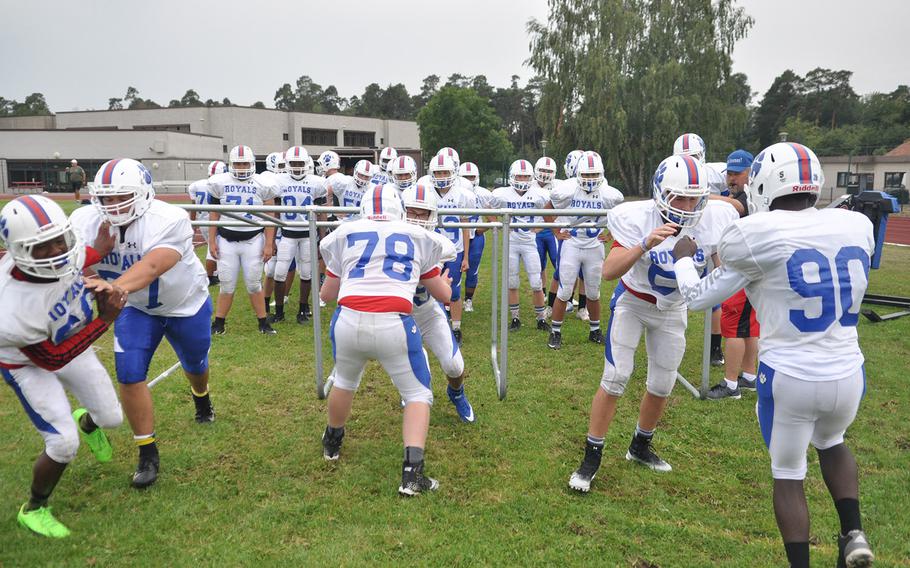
373 267
48 329
420 204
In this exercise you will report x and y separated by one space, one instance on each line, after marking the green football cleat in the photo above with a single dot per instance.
97 441
41 521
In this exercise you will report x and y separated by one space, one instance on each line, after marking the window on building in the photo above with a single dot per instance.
285 136
170 127
842 179
318 137
865 181
224 148
893 179
359 138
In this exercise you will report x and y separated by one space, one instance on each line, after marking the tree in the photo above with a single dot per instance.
114 104
429 88
189 99
626 78
258 104
460 118
284 98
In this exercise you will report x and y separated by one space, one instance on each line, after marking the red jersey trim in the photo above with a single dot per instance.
330 273
640 295
10 366
431 274
92 257
377 304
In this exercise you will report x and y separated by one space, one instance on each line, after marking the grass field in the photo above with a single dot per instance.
253 488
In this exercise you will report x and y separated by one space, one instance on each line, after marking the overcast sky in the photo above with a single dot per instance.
80 53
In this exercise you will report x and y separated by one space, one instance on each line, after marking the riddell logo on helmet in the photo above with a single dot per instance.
807 187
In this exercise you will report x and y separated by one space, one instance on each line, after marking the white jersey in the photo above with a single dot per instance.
508 198
377 259
381 178
652 273
482 198
422 299
299 193
199 193
455 198
347 192
460 182
808 271
35 312
258 190
568 195
180 291
717 178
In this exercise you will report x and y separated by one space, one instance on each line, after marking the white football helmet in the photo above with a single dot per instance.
242 162
310 169
545 170
217 167
680 177
32 220
274 162
469 171
403 172
387 155
328 160
363 172
451 153
295 160
381 205
590 172
568 168
420 196
785 168
520 169
122 178
443 171
690 145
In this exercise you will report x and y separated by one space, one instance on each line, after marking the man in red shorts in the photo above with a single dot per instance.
738 323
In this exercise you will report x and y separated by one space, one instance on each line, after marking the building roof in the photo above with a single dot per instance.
902 150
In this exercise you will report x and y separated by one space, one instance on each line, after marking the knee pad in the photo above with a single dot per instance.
227 285
661 384
454 366
535 282
612 382
62 447
513 282
305 271
253 282
110 417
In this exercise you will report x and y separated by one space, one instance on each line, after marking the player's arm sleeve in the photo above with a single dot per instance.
215 191
561 197
52 357
432 252
736 254
329 248
624 231
612 196
176 235
704 293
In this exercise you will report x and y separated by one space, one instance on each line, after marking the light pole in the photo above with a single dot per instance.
543 146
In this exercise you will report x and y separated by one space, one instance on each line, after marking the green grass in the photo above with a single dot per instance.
253 487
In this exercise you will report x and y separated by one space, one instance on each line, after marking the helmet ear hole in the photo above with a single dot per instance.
761 189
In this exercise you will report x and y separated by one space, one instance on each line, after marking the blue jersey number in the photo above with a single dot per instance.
829 286
291 201
201 197
237 200
392 256
454 234
153 295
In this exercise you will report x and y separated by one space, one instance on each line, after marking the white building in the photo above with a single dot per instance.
859 173
177 143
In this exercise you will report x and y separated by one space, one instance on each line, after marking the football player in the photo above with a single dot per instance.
692 145
373 267
482 195
452 195
245 247
646 300
381 174
198 191
350 189
45 344
297 189
583 249
806 271
146 248
544 181
522 245
420 206
570 169
402 173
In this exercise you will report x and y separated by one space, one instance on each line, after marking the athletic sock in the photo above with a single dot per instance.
732 385
86 424
220 321
595 441
540 312
268 303
749 377
551 299
848 511
556 326
456 324
413 455
263 321
279 310
582 301
148 446
36 501
304 307
715 341
797 554
595 325
469 295
513 309
201 401
642 433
